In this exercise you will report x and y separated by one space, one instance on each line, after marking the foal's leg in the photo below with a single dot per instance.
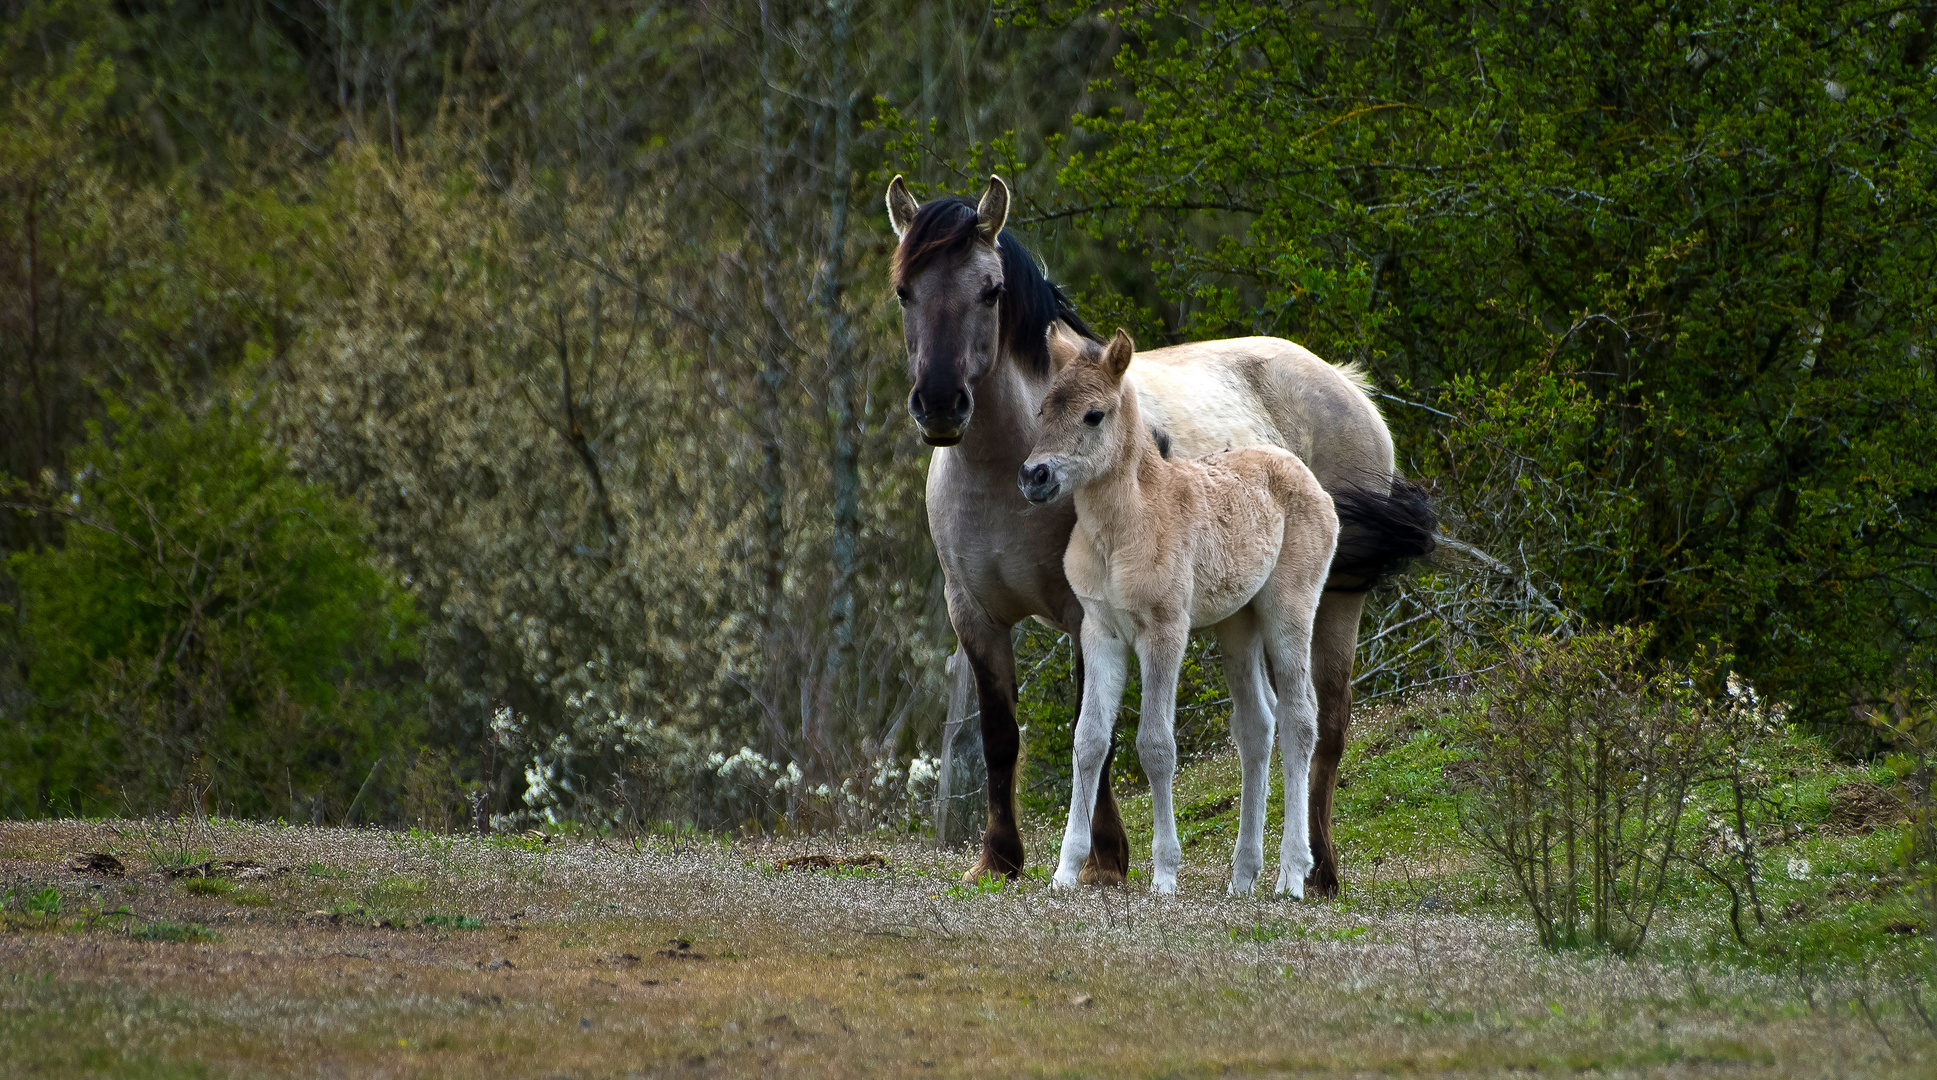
1335 636
1251 725
992 660
1160 652
1109 861
1106 664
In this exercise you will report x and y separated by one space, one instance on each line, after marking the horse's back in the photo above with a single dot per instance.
1236 392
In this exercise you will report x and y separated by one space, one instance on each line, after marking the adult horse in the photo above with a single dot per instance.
980 320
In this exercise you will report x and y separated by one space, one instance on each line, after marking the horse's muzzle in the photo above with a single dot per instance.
941 426
1040 482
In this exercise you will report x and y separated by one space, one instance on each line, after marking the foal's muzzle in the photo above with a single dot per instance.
1040 481
941 422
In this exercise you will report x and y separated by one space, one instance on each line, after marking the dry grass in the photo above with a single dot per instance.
351 955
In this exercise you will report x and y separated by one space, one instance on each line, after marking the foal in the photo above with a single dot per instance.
1240 541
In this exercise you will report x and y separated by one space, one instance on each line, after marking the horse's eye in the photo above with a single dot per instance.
1093 417
993 294
901 294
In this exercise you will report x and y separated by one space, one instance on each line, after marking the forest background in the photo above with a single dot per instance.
473 412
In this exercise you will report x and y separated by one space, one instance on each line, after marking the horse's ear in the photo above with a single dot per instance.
993 210
901 206
1118 353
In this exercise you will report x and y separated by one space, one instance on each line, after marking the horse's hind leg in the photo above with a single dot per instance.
1160 652
1335 637
992 660
1106 665
1251 724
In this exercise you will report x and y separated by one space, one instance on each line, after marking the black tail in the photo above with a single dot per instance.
1379 533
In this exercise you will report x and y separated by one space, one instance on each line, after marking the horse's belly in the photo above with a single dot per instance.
1233 558
1213 603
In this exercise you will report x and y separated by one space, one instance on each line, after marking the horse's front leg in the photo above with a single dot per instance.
992 661
1105 666
1251 728
1160 652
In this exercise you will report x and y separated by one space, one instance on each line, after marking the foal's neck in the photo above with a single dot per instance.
1112 506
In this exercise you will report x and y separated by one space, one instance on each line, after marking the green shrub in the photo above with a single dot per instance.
205 622
1584 759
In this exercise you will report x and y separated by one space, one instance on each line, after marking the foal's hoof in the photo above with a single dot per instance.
1292 882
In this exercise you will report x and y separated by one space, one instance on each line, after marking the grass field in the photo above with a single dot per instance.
323 952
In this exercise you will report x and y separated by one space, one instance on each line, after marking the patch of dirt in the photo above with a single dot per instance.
1208 810
1863 806
679 949
234 869
96 862
1462 775
833 862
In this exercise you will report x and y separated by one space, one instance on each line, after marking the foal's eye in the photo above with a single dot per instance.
991 295
1093 417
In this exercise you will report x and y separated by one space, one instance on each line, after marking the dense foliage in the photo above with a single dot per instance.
1713 218
207 623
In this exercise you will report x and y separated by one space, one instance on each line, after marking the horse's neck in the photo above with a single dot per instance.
1004 427
1112 507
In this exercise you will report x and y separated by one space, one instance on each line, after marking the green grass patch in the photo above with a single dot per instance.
454 922
209 886
173 932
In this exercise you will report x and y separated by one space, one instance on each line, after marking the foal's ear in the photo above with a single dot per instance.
993 210
1118 353
901 206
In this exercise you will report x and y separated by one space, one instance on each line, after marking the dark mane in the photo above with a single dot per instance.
944 228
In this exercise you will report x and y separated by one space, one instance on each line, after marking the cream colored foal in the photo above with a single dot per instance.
1240 541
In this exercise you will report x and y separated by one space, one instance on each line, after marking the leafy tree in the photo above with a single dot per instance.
1714 219
205 620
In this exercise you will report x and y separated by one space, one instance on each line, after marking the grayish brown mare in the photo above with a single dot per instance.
976 312
1240 541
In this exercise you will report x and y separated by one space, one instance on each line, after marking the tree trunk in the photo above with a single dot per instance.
773 479
840 362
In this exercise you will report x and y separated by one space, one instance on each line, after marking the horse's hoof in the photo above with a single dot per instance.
982 871
1244 888
1108 864
1164 888
996 862
1095 874
1322 882
1064 881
